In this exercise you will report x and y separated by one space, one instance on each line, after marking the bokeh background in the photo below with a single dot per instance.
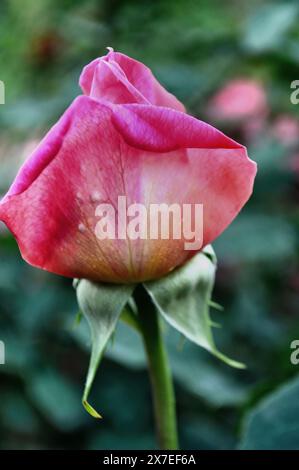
232 64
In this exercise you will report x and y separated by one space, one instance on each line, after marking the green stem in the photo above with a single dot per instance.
160 374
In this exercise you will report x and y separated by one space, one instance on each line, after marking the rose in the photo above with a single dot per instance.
125 136
240 100
286 129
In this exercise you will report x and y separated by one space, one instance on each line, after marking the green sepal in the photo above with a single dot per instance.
102 305
183 298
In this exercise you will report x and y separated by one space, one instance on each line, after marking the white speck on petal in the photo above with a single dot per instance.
81 228
95 196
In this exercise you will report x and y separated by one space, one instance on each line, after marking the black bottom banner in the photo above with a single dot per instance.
132 459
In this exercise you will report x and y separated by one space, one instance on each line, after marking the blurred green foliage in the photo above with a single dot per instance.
194 48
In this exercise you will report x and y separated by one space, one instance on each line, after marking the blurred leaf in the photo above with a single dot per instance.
38 113
251 316
111 440
274 423
19 351
257 238
205 433
268 154
268 25
17 414
202 377
56 398
127 348
124 393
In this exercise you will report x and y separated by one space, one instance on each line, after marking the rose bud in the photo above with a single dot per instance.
126 136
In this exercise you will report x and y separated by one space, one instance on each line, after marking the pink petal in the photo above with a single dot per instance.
111 84
219 173
161 129
85 160
50 208
94 82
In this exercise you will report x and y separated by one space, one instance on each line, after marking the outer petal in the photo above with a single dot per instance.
85 160
222 174
111 84
161 130
93 82
50 207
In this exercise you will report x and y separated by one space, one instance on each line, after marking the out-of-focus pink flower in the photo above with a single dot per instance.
286 129
126 136
293 163
239 99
